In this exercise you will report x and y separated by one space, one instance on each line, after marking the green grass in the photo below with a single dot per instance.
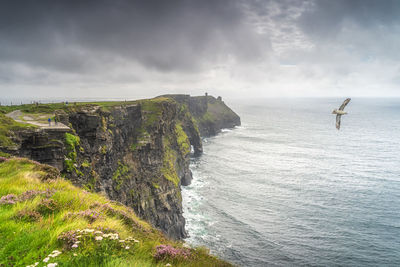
153 109
120 175
133 147
32 108
169 159
85 164
50 108
71 142
7 126
182 139
103 149
27 239
4 154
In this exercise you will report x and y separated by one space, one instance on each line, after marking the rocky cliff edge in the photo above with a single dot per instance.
135 152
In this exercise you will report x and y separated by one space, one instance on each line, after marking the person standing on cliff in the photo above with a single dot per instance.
49 120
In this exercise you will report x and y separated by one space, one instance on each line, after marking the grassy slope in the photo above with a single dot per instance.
7 125
29 229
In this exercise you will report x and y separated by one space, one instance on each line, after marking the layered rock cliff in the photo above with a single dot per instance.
211 114
136 153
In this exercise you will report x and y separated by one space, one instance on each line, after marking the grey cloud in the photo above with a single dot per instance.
75 36
153 46
326 18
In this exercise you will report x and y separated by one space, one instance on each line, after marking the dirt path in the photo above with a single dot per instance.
15 115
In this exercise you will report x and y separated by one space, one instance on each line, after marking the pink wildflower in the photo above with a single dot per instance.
8 199
167 251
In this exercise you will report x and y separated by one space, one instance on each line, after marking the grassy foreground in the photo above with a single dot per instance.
46 221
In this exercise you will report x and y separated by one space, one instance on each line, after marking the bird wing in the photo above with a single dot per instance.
344 103
338 121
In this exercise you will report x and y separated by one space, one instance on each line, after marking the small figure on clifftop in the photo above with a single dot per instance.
49 120
55 120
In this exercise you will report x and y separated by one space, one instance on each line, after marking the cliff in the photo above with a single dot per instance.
46 221
211 114
136 153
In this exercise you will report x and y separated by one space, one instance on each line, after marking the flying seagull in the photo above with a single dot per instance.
339 112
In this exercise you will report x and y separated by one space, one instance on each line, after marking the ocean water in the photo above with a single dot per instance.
287 189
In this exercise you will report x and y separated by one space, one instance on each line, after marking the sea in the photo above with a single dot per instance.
288 189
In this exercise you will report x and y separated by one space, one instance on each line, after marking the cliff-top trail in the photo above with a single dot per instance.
18 116
135 152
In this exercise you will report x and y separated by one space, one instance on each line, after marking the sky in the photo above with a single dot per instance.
234 48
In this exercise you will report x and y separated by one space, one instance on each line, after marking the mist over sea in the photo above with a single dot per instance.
287 188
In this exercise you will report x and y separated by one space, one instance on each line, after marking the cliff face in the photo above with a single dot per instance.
211 114
135 153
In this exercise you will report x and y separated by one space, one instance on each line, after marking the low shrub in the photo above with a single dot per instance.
28 215
47 206
168 252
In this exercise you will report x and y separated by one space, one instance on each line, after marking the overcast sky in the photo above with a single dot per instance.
135 49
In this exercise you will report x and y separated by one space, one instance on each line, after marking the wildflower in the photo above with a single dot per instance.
33 193
113 236
90 215
89 230
127 247
168 264
136 241
8 199
52 264
75 254
78 236
55 253
46 259
167 251
74 245
98 232
69 238
122 241
98 238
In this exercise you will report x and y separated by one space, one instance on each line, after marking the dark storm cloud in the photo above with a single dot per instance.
76 36
268 46
325 18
